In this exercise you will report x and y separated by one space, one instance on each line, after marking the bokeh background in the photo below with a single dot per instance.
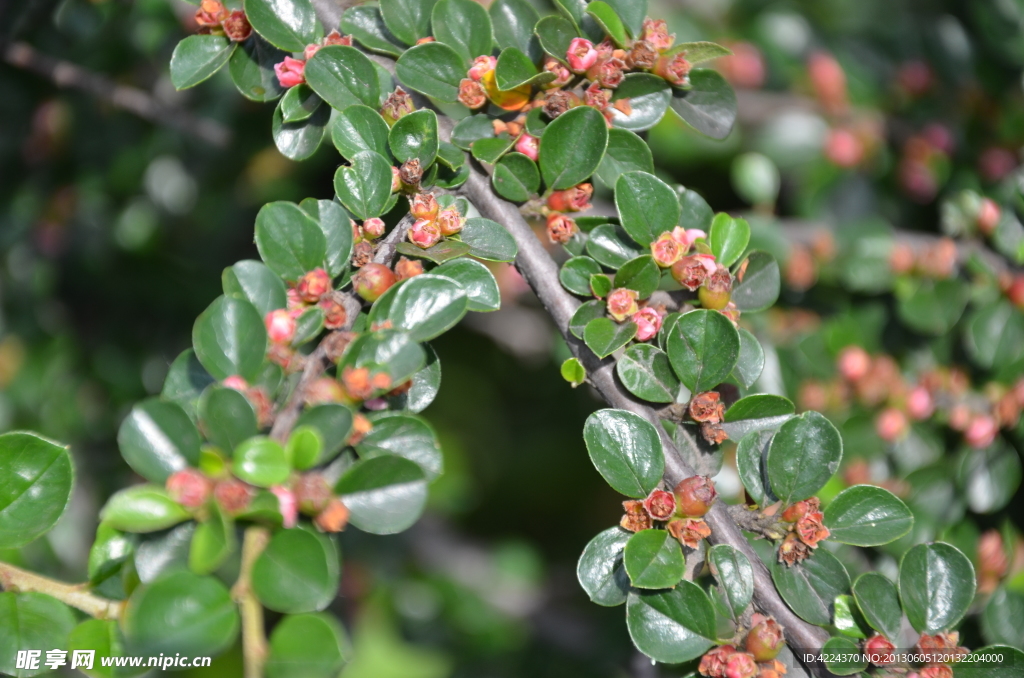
114 228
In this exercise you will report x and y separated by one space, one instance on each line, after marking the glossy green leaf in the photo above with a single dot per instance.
575 10
516 177
572 147
35 486
879 602
937 586
109 551
750 454
600 569
385 495
572 371
708 106
289 241
252 69
671 626
584 314
332 421
626 450
142 508
359 128
993 661
609 20
470 129
306 646
700 51
575 275
364 188
304 448
415 136
450 155
182 613
212 543
513 22
491 150
343 76
555 34
604 336
261 461
641 275
464 26
31 621
256 283
428 305
703 348
803 455
433 69
366 25
757 412
750 363
186 379
394 351
408 20
157 438
229 338
336 226
735 576
287 24
760 285
994 335
810 587
647 206
843 656
989 477
446 250
632 13
482 293
404 436
930 306
1002 620
167 552
728 238
515 69
297 572
601 287
865 515
198 57
104 637
649 98
227 417
626 152
611 246
646 372
653 560
300 140
488 240
299 103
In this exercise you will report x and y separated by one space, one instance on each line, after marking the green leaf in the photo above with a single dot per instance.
626 152
699 52
757 412
989 477
450 155
649 98
287 24
750 453
336 226
513 22
575 10
994 661
879 602
646 372
515 69
229 338
488 240
842 656
109 551
332 421
575 275
289 241
1002 620
555 34
157 438
937 586
865 515
572 371
404 436
609 20
256 283
464 26
433 69
212 542
261 461
104 637
298 571
750 363
735 576
299 103
626 451
35 486
708 106
803 456
601 287
364 188
425 385
415 136
611 246
491 150
428 305
703 348
227 417
600 569
183 613
142 508
604 337
305 447
653 560
810 587
299 140
366 25
31 621
198 57
632 13
671 626
409 20
760 285
385 495
584 314
185 381
931 306
641 275
482 293
647 206
306 646
994 335
696 212
446 250
343 76
472 128
391 350
516 177
252 69
728 238
572 147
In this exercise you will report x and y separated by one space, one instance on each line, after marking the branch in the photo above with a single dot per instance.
76 595
254 639
131 99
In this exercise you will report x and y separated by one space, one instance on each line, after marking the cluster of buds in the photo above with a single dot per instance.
291 71
213 17
682 510
708 410
805 532
432 222
938 260
360 384
624 305
480 86
314 497
257 397
756 659
314 289
924 163
562 228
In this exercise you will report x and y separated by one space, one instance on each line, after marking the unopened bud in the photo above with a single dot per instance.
695 496
232 495
396 180
981 432
472 94
314 285
408 268
648 323
236 382
237 27
655 32
280 326
334 518
290 72
450 221
373 228
765 640
424 234
312 493
622 303
891 424
424 206
562 74
335 315
597 97
189 487
529 146
854 363
397 105
919 403
879 650
372 281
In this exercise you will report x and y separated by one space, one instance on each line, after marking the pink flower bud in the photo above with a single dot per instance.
450 221
891 425
310 50
314 285
424 233
597 97
622 303
189 487
687 236
648 323
920 404
981 432
482 65
854 363
373 228
675 68
610 72
988 216
236 382
828 80
324 390
290 72
562 74
335 315
528 146
211 13
691 271
334 518
666 250
287 505
236 27
280 326
656 33
472 94
581 55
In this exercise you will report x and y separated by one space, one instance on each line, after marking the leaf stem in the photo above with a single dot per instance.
77 596
254 638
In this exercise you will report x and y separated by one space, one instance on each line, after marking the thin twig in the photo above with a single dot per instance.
131 99
254 638
76 595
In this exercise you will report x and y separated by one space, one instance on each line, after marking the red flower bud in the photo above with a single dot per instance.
811 530
450 221
636 517
313 285
695 496
854 363
360 427
372 281
482 65
529 146
189 487
891 424
373 228
472 94
424 234
675 68
689 531
335 315
290 72
334 518
666 250
800 509
919 403
237 27
280 326
562 74
691 271
560 228
707 407
232 495
408 268
287 506
424 206
765 640
581 55
713 663
336 38
660 505
648 322
312 493
397 105
622 304
740 665
879 650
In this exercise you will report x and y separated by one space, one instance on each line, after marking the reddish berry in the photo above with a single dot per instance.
372 281
280 326
314 285
424 234
765 640
189 487
373 228
695 496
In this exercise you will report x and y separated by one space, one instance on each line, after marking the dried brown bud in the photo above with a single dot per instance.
411 173
312 493
713 433
689 531
707 407
792 550
636 517
334 518
642 55
660 505
408 268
